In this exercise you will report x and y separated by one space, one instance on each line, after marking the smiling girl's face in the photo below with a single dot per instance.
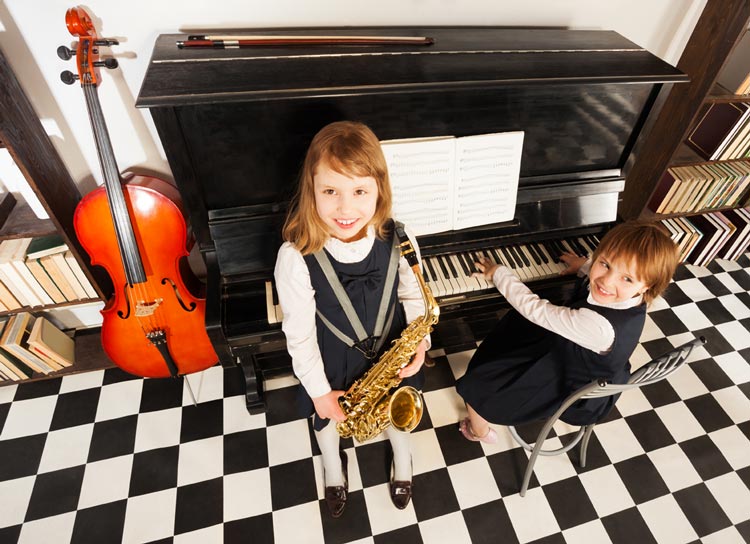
614 280
345 204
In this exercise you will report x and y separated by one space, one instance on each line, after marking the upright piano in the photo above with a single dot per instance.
235 124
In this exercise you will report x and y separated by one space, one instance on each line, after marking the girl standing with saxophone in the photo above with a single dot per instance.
339 257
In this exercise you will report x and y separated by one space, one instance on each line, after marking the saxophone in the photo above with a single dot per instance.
369 404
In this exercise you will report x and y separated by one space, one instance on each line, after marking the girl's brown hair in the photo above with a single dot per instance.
351 149
648 247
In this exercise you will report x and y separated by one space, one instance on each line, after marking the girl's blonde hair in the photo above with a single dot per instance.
351 149
648 247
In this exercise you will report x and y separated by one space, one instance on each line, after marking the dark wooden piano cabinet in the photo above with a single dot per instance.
235 124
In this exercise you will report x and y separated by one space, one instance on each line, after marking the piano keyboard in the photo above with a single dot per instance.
449 276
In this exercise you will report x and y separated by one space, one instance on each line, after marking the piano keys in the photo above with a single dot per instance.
450 275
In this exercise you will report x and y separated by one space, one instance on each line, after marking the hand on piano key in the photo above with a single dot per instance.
574 262
486 268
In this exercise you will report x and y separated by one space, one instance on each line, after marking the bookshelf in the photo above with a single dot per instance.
22 134
662 145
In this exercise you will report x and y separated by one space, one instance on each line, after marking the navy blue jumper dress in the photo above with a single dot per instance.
364 283
522 372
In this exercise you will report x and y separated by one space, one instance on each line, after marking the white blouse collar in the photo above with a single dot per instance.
351 252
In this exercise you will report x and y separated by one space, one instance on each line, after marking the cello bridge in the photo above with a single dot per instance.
146 308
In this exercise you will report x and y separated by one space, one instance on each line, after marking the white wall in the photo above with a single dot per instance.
31 31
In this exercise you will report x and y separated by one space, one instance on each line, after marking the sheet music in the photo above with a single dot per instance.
422 181
487 169
447 183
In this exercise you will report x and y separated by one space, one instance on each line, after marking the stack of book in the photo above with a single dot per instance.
703 238
38 272
685 189
31 344
722 132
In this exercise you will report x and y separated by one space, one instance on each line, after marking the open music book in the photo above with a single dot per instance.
448 183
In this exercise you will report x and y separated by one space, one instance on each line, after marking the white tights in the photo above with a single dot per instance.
328 442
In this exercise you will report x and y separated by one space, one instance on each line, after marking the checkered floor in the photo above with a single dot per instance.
104 457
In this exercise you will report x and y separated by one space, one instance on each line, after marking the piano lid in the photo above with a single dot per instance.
461 58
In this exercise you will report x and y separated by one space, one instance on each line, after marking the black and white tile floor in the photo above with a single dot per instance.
104 457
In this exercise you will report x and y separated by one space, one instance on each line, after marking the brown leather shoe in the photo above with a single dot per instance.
400 491
335 495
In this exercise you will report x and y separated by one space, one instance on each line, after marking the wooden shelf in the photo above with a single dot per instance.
23 223
51 306
89 355
648 215
687 156
660 144
719 94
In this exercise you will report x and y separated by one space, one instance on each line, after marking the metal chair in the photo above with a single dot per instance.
651 372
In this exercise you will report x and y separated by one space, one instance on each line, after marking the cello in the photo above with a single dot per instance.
153 324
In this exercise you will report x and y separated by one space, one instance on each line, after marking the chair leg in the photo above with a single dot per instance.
585 444
530 467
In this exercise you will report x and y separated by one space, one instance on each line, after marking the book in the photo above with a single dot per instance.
744 245
75 266
51 343
448 183
10 276
678 197
716 127
695 237
728 230
46 245
693 184
18 260
6 297
70 277
38 271
710 231
52 268
733 247
685 234
664 191
14 338
13 367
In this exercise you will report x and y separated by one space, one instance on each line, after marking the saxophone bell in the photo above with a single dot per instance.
405 409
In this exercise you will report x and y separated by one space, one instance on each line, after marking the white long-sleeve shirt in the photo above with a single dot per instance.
297 300
583 326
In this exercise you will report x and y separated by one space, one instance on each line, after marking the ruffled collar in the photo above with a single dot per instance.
351 252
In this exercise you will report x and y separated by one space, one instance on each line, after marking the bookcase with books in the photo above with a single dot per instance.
42 265
692 170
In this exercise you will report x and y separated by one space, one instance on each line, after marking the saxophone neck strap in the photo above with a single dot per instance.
365 343
370 346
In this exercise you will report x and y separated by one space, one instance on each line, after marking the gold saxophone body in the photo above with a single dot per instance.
370 405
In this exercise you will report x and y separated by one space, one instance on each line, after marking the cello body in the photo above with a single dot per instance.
161 235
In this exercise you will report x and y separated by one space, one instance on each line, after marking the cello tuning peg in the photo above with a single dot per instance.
65 53
107 63
68 77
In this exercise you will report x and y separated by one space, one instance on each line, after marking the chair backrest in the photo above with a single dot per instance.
651 372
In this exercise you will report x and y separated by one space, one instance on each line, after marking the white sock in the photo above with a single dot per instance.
328 442
401 445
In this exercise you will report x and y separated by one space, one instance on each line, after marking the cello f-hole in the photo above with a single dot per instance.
177 295
127 299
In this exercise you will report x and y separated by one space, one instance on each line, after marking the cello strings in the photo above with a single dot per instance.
118 207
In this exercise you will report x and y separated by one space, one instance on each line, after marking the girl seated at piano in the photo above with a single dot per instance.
539 353
337 254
